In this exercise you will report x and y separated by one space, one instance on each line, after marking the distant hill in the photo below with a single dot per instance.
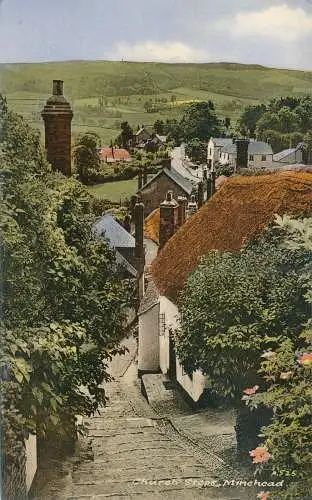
126 86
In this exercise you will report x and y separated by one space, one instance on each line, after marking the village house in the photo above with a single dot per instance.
215 148
153 192
260 155
113 154
141 137
234 214
290 156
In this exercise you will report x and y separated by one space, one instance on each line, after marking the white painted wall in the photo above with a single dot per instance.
194 387
148 349
151 249
31 459
170 310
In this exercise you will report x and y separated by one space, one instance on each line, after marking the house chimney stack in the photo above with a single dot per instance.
140 180
144 176
242 153
192 206
57 116
182 201
139 232
168 219
213 182
200 194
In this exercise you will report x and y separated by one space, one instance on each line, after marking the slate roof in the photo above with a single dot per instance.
172 173
116 235
254 148
149 299
221 142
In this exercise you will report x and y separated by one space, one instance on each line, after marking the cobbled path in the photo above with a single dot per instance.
131 452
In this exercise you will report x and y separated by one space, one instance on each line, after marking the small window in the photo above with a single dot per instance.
263 158
251 157
228 156
162 324
210 152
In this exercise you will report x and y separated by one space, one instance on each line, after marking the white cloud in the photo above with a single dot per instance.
157 51
279 22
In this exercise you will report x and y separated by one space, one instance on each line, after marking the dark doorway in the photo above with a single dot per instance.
172 359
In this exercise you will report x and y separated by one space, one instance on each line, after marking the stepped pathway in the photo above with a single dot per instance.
134 453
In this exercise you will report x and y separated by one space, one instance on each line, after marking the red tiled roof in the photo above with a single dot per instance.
241 207
116 154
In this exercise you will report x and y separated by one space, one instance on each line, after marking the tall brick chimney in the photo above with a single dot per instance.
139 252
242 153
57 116
168 219
182 201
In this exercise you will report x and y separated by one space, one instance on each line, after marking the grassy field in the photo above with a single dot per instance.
114 191
126 86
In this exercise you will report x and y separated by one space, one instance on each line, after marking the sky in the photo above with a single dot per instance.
276 33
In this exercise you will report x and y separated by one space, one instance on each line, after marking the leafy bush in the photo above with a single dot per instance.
236 305
62 298
286 389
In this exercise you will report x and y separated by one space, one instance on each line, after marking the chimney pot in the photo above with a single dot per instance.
58 87
169 196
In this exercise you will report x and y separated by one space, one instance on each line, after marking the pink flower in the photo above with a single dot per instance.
263 495
251 390
306 359
286 375
260 455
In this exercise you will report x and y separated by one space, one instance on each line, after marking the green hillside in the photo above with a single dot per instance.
126 86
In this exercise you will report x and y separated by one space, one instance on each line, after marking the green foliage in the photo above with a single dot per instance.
62 299
236 305
125 136
200 121
286 389
249 118
86 156
197 150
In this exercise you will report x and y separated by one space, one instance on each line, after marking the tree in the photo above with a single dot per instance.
227 123
196 150
308 146
200 121
126 136
63 300
159 127
250 117
86 156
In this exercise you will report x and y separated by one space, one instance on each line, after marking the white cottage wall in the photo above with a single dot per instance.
31 459
193 387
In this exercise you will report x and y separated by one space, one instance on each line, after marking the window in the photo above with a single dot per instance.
210 151
263 158
162 324
228 156
251 157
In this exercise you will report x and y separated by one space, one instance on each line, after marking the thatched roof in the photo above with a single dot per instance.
151 226
240 208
